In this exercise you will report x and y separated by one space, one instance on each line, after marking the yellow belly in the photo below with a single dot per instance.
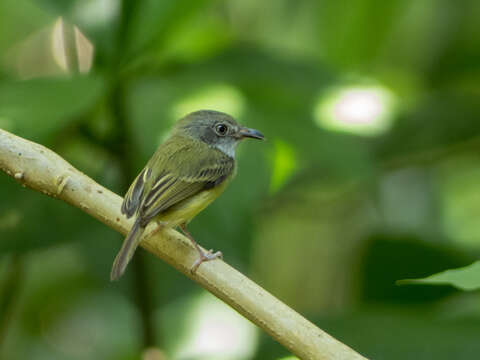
186 210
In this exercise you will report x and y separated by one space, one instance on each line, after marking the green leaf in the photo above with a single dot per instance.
19 19
38 107
465 278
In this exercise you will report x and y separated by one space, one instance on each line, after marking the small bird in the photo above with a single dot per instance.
189 170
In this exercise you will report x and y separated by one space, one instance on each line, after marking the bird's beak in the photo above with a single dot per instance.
251 133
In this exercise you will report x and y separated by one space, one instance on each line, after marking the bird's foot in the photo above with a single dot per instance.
205 256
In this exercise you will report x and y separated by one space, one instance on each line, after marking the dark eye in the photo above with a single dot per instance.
221 129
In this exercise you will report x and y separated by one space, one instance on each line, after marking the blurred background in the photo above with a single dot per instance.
370 173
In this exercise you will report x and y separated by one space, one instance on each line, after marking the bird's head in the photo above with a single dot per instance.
216 129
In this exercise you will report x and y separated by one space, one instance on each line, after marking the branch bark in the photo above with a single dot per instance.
41 169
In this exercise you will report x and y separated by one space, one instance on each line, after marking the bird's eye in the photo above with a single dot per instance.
221 129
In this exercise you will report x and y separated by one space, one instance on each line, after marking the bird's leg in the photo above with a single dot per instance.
204 256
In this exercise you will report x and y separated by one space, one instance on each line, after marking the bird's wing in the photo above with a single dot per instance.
175 176
135 193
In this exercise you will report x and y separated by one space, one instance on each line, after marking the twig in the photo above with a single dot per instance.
39 168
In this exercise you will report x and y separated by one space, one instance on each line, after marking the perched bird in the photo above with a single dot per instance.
187 172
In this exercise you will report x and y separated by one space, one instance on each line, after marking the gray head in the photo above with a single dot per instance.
216 129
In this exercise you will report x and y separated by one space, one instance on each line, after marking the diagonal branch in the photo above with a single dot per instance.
41 169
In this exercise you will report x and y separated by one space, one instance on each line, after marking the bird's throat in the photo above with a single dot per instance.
227 148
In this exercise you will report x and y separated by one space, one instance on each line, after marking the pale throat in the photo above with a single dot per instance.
227 148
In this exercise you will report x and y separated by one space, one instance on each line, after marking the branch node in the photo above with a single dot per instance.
61 182
84 206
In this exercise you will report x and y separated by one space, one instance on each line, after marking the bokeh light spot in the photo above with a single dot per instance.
363 110
221 97
96 13
284 164
216 331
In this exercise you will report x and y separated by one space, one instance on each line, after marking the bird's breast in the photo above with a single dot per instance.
187 209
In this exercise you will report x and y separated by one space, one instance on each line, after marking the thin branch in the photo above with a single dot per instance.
39 168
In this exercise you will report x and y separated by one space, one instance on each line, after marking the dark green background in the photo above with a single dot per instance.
325 220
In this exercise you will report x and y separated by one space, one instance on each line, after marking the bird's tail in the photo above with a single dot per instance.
126 252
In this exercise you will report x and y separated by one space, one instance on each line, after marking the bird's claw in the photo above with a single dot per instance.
205 256
216 255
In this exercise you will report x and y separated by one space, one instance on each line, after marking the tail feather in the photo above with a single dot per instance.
125 254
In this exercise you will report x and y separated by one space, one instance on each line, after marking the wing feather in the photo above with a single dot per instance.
179 191
173 174
134 194
181 173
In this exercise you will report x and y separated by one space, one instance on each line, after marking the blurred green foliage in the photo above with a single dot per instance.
326 219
